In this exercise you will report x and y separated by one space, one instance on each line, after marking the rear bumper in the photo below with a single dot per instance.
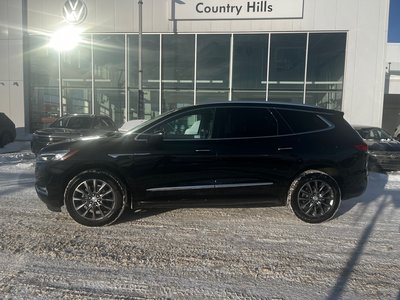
355 185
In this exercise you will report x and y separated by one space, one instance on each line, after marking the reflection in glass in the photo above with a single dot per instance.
44 83
76 75
177 71
287 67
151 75
211 96
151 103
250 64
213 52
44 107
326 57
109 75
256 95
176 99
324 86
213 61
76 100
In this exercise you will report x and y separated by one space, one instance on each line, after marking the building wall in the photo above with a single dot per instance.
365 21
11 62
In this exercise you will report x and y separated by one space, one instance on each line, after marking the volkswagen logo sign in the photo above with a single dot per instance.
75 11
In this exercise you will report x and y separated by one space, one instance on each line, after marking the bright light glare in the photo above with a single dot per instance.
65 39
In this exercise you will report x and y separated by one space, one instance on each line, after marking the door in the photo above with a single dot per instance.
255 154
176 157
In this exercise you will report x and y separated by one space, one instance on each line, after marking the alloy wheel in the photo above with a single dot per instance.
94 199
316 198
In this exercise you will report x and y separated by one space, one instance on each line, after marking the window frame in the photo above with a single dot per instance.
177 116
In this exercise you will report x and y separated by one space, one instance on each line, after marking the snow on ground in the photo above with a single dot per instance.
206 253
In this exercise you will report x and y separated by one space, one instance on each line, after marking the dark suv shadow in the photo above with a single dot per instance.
130 215
375 188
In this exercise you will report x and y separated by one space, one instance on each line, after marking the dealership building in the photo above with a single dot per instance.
62 57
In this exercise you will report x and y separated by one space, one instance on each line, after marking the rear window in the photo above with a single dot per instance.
240 122
300 121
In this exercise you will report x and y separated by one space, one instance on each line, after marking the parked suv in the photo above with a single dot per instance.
215 154
383 149
7 130
71 127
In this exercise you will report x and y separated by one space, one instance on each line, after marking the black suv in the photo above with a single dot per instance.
7 130
71 127
215 154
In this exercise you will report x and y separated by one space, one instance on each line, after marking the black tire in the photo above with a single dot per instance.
5 138
94 198
314 197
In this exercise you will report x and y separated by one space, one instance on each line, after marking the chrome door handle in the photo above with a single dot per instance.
285 148
203 150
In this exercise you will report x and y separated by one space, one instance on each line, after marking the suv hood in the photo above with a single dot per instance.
57 131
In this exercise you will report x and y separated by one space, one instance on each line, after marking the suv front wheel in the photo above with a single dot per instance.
94 198
314 197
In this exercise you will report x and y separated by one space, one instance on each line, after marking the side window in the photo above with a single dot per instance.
194 125
80 123
109 123
242 122
60 123
300 121
103 123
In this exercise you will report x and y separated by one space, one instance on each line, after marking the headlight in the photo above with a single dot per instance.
56 155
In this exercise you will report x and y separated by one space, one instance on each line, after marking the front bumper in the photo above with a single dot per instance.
49 188
53 203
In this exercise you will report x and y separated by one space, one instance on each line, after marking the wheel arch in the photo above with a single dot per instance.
105 169
330 170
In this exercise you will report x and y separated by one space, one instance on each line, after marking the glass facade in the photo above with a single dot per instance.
101 74
250 65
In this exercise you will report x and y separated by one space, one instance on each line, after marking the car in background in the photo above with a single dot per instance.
7 130
72 127
129 125
384 150
221 154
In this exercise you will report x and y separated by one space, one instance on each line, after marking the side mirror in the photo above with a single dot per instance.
155 139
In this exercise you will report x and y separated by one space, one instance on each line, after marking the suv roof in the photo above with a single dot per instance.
269 104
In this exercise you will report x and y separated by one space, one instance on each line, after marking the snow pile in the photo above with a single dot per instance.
15 158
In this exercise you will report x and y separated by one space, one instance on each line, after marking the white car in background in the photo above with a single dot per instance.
127 126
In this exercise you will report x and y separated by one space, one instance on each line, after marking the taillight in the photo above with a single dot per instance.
361 147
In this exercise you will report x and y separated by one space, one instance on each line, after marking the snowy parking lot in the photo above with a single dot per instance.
204 253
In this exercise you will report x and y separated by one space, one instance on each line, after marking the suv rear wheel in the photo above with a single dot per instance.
314 197
94 198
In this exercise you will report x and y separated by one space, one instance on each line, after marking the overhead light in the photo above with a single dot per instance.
65 39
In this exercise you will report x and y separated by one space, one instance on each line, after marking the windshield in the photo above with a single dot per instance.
374 134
